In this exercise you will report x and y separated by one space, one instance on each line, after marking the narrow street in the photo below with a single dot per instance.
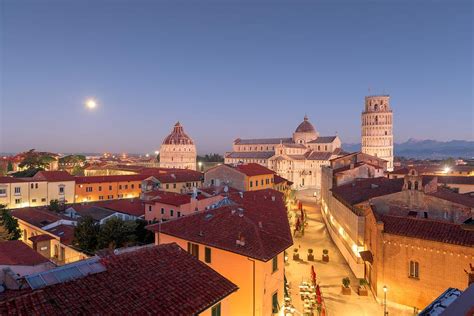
329 275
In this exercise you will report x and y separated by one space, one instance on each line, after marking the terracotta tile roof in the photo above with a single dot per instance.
173 175
277 180
264 225
53 176
456 180
365 189
444 232
323 140
253 169
114 178
318 155
356 165
263 141
37 216
448 195
15 252
11 180
250 154
64 232
158 280
42 237
134 207
169 198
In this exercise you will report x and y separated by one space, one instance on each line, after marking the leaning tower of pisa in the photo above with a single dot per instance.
377 128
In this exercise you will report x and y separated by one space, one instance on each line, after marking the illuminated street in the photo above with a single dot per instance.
329 275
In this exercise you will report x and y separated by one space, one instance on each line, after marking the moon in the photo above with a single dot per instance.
91 104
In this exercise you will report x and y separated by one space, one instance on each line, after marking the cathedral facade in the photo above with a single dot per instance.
298 158
178 150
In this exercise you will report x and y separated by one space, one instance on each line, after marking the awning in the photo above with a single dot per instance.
366 255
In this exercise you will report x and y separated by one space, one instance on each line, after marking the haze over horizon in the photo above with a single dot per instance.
228 70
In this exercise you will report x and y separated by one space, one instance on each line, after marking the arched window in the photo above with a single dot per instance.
416 185
376 107
409 185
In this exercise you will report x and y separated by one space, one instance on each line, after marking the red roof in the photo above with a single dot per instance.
356 165
277 180
37 216
11 180
456 180
15 252
444 232
115 178
264 225
42 237
158 280
364 189
449 195
169 175
253 169
53 176
64 232
170 198
134 207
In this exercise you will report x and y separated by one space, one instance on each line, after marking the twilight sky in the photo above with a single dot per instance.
228 69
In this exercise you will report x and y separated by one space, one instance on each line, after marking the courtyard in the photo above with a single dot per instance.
329 275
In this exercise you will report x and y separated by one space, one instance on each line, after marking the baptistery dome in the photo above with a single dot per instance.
178 136
178 150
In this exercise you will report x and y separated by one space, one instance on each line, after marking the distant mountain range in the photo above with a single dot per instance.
428 149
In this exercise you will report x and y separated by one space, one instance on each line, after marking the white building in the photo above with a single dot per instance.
298 159
377 128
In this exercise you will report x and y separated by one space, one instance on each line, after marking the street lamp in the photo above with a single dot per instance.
200 165
385 289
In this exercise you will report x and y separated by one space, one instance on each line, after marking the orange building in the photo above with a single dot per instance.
110 187
244 241
243 177
99 188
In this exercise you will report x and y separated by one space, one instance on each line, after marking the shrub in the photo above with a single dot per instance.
346 282
362 282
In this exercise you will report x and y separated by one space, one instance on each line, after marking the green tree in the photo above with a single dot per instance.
9 167
35 160
86 234
9 229
77 171
116 233
54 206
143 235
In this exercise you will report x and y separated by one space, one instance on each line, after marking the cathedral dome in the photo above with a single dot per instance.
178 137
305 126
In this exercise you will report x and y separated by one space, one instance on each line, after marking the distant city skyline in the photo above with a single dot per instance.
228 70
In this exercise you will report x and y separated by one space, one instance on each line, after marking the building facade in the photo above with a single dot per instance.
38 190
298 158
178 150
377 128
243 177
409 234
231 241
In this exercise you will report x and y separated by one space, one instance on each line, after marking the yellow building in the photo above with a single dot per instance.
48 233
38 190
240 243
243 177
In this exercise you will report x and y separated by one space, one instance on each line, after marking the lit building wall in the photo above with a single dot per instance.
244 272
